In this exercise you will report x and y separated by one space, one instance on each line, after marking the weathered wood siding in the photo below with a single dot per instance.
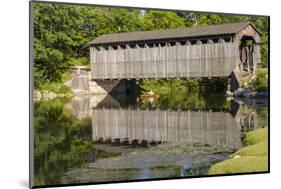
198 60
204 127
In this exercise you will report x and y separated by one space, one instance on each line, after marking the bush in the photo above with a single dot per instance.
260 83
54 87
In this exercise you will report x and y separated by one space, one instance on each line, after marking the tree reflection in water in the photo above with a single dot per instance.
60 141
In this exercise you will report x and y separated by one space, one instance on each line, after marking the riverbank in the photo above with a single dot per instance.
251 158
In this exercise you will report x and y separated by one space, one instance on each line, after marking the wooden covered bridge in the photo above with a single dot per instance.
194 52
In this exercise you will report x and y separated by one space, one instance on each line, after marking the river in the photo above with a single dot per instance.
101 138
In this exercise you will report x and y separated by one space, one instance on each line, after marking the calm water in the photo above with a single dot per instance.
110 138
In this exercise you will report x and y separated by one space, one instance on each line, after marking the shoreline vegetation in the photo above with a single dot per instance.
253 157
255 87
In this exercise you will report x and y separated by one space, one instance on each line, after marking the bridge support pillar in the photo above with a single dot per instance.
233 83
107 86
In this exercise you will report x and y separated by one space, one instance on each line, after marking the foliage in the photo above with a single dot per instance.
252 158
62 32
55 87
55 143
61 142
261 80
161 20
54 36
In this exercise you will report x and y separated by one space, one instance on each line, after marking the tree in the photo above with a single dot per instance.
53 33
153 20
62 32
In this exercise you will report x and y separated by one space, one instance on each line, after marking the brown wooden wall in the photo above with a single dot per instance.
198 60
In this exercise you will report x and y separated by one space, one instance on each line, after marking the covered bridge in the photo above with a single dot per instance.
203 51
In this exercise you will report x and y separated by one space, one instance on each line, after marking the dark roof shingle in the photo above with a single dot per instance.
221 29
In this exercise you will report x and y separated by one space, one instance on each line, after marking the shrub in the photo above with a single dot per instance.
54 87
260 83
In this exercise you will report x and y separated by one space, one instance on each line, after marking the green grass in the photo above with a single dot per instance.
259 149
256 136
54 87
79 61
251 158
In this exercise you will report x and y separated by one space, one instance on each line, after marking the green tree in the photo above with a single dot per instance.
153 20
53 33
62 32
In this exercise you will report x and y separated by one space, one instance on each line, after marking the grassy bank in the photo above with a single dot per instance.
251 158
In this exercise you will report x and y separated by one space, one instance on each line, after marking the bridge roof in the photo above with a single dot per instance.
199 31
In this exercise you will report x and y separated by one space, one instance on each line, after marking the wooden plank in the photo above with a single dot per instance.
199 60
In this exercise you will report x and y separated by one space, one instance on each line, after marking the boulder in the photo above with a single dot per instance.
242 92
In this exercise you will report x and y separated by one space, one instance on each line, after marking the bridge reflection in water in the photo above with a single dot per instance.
158 126
115 123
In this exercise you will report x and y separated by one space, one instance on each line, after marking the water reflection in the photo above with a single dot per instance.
135 126
107 138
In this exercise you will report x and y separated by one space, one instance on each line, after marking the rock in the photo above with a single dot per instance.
150 93
242 92
229 93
